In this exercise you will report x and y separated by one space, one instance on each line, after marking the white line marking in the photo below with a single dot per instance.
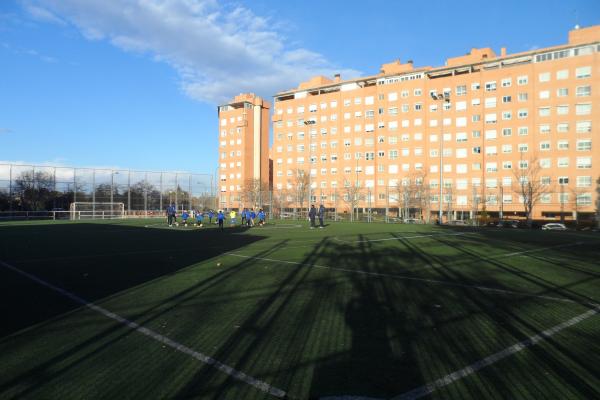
487 361
404 237
260 385
410 278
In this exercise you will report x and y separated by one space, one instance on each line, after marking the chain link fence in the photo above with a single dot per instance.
34 189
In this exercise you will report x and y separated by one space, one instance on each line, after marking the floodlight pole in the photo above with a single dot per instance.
443 98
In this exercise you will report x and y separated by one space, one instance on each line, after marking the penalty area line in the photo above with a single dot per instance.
429 388
226 369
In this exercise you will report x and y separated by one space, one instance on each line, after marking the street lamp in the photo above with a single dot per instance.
443 99
307 123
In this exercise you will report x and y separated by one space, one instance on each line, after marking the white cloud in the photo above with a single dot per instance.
219 50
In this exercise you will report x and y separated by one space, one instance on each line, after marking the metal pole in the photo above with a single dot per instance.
501 203
441 183
128 191
74 185
176 189
93 193
112 183
161 192
146 194
10 196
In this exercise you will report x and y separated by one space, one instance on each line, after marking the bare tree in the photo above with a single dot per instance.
529 185
253 190
300 182
352 195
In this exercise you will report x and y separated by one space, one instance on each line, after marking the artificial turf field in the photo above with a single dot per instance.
134 309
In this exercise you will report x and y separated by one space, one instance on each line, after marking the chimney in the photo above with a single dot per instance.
503 52
337 78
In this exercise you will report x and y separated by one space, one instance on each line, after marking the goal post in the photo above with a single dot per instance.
96 210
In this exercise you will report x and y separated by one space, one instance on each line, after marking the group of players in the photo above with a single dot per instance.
249 216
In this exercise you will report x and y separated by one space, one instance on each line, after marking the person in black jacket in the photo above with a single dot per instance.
321 216
311 215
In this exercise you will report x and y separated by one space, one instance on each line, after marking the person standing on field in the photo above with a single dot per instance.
171 211
321 216
312 215
220 219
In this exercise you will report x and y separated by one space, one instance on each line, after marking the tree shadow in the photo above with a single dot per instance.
94 261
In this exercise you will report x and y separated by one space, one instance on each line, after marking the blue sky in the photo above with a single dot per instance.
135 84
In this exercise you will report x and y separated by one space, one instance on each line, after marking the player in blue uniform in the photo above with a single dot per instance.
220 219
184 217
171 214
261 217
199 218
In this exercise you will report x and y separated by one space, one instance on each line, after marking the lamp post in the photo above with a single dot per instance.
308 123
443 99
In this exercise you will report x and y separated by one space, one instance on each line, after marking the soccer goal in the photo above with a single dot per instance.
91 210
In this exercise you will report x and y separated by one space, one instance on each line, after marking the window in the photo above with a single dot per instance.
477 150
490 86
506 82
491 118
490 102
544 111
417 92
545 146
393 96
506 99
563 180
562 110
583 72
584 181
522 80
523 148
475 86
523 131
544 94
584 162
461 90
562 127
544 77
583 126
522 113
583 109
562 92
562 74
476 118
563 162
506 115
545 163
490 134
584 199
523 164
545 129
507 165
507 132
583 91
506 148
418 106
563 145
584 145
521 97
461 136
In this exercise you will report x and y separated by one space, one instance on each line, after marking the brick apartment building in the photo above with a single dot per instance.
471 133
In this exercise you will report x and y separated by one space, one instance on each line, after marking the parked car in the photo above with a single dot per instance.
411 221
553 226
458 222
508 224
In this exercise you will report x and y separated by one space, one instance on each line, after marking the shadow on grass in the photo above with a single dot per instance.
95 261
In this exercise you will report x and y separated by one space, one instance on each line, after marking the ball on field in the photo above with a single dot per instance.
218 264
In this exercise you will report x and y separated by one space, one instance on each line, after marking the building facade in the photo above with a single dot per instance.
243 150
481 134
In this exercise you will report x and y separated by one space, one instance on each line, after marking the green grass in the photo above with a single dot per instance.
369 310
